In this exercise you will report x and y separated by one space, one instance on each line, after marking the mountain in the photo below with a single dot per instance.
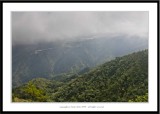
123 79
47 60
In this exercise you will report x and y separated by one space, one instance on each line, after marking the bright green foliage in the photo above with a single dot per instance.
34 93
30 91
124 79
143 98
16 99
37 90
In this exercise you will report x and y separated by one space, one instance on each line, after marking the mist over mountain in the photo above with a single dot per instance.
37 27
46 44
50 59
80 56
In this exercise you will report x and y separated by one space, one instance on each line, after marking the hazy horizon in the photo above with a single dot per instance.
35 27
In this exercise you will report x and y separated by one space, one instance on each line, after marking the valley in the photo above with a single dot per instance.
47 60
123 79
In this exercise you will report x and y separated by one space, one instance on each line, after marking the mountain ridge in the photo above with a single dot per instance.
126 76
66 57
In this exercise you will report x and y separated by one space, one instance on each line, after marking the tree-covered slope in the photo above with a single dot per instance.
121 80
36 90
50 59
124 79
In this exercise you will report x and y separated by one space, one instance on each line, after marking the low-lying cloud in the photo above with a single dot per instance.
34 27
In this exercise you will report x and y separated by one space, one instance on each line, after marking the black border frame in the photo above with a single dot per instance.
77 1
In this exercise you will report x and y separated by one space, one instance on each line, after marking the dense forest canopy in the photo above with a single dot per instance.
123 79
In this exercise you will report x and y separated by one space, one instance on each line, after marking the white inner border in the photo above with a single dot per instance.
150 106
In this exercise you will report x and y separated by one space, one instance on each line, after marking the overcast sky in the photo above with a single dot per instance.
33 27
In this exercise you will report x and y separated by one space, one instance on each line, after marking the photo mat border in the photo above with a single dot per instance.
80 2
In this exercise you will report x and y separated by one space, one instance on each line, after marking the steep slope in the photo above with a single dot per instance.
121 80
124 79
51 59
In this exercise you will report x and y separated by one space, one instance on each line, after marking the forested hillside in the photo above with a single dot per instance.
48 60
124 79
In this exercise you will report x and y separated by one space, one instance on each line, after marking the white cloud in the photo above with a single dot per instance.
32 27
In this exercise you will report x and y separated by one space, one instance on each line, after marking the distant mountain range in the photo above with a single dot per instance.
49 60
